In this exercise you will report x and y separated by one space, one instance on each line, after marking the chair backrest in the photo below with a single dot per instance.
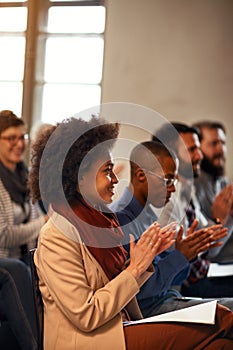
39 306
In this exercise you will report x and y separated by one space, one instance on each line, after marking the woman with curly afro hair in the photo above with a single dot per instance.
88 287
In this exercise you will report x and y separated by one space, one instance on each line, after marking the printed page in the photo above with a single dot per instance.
220 270
201 313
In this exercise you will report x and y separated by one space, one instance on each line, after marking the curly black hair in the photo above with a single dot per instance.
58 153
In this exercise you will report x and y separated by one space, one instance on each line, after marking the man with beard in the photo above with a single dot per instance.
184 207
213 190
153 173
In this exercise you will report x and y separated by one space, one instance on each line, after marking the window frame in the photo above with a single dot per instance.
34 64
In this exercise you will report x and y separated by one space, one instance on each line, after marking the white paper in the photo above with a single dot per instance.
220 270
201 313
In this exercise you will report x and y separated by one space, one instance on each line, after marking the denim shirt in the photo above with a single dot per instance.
171 267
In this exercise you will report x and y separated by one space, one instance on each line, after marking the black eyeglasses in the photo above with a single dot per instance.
169 182
13 139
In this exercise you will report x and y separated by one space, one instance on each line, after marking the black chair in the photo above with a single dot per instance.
39 307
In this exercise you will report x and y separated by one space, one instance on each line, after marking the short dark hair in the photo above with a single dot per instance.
9 119
207 124
143 154
168 134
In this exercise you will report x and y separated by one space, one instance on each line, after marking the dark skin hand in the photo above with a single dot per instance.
200 240
152 242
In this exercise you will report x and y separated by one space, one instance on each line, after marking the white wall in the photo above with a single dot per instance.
174 56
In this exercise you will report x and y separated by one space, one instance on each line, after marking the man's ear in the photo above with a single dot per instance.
140 174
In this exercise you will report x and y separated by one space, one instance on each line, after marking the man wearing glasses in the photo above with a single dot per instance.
153 175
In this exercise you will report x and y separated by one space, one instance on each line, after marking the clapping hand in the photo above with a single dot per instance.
223 203
152 242
198 241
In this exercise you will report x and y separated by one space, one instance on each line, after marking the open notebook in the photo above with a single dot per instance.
201 313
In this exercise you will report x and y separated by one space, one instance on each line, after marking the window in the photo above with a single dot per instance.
53 57
13 24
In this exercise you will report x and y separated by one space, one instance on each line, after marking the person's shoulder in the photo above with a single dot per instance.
124 215
116 205
204 183
3 191
58 226
202 177
121 202
124 211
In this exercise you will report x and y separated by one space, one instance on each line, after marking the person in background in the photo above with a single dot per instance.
153 177
20 221
184 207
213 190
88 287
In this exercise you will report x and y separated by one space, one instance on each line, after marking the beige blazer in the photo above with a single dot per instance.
81 306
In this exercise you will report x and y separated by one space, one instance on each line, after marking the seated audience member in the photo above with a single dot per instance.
153 174
18 322
213 190
87 287
184 207
20 222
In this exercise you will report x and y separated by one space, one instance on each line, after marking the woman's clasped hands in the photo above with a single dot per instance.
152 242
